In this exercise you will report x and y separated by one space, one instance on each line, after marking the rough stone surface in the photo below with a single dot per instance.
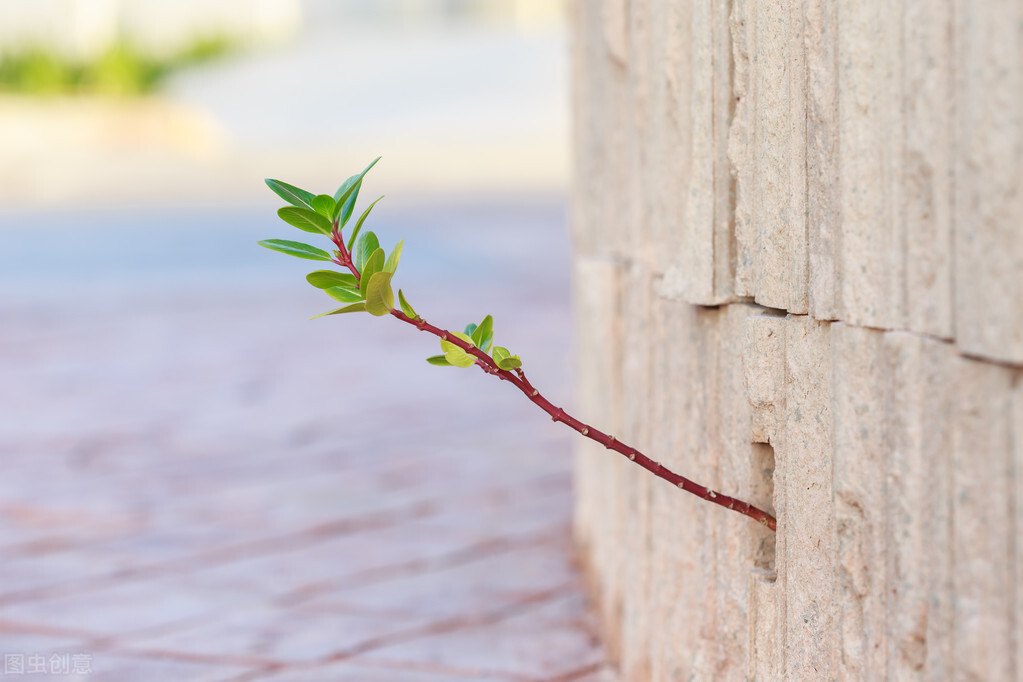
826 200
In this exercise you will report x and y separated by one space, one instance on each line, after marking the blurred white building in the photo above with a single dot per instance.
82 28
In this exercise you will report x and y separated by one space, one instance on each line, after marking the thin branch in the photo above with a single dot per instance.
518 379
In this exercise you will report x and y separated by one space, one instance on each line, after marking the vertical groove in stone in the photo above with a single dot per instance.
798 270
742 25
1016 436
820 37
724 184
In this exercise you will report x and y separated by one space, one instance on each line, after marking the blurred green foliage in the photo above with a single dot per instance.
121 70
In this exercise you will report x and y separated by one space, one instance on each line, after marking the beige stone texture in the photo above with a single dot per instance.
806 520
798 224
820 40
763 355
871 263
763 627
860 483
768 153
918 506
982 537
989 178
927 114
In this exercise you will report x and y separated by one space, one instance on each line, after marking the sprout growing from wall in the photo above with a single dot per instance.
367 287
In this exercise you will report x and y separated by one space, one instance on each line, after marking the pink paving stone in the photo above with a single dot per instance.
275 635
365 672
112 666
464 589
530 653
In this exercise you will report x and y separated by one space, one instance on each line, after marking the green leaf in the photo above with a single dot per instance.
296 249
358 225
455 355
344 294
354 308
392 260
305 219
405 307
484 334
438 360
374 264
291 194
379 295
367 245
505 360
470 328
323 279
348 192
324 205
343 211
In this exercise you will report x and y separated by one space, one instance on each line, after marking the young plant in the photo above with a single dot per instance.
366 287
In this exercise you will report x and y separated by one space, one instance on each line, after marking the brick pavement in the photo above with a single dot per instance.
197 483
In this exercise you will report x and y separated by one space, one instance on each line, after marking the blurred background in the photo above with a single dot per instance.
188 466
191 100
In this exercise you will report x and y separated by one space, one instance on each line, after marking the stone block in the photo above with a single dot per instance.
858 408
982 531
771 258
918 568
803 488
927 109
871 261
737 536
668 154
988 179
763 360
764 644
701 271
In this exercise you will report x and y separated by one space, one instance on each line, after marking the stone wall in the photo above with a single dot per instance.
799 279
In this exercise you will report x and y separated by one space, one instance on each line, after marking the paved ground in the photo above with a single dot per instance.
198 483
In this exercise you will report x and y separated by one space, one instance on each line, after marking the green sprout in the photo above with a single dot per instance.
366 287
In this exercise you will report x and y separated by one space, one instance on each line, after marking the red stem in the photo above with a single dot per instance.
519 380
345 260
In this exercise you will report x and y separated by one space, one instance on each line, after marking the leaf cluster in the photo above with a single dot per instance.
367 287
482 337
